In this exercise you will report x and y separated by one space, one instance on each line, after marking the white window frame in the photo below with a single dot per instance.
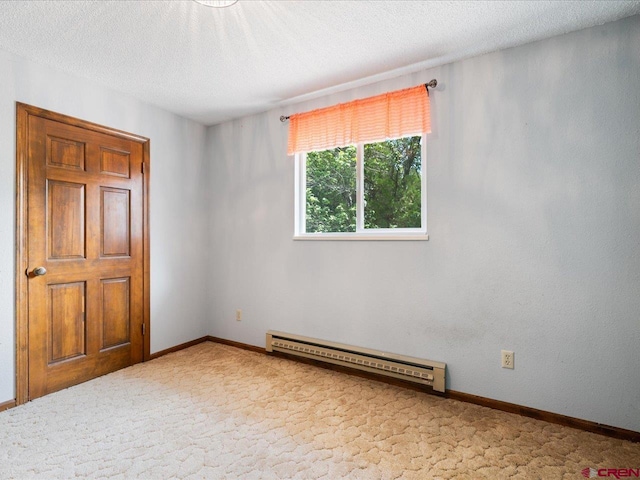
361 233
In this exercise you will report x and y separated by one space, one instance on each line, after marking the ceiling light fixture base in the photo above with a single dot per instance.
216 3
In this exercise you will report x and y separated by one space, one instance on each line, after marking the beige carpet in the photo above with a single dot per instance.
214 411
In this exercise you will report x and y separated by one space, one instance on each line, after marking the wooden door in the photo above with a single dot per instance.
85 250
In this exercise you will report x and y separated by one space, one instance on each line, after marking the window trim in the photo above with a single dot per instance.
361 233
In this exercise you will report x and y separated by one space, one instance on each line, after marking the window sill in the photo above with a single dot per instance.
362 236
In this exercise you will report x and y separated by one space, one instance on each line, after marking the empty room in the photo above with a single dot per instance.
319 239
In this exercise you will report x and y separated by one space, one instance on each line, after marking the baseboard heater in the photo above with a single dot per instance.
399 366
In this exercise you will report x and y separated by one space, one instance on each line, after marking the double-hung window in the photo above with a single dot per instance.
353 186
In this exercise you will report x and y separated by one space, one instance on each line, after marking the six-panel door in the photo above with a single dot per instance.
85 225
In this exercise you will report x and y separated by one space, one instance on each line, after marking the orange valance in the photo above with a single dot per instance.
390 115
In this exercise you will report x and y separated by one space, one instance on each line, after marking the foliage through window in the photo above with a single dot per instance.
370 189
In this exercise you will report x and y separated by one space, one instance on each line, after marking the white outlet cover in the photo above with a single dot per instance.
507 359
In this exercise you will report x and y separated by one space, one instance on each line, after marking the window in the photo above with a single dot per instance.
373 190
352 184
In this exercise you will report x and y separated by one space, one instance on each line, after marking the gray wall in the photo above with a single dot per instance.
179 199
534 221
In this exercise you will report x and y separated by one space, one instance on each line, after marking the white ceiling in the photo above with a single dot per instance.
212 65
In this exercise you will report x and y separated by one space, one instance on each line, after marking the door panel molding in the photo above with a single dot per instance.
113 165
66 231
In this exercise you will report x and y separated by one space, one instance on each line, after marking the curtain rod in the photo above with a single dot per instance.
433 84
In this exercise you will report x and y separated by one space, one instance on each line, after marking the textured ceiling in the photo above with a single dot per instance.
213 64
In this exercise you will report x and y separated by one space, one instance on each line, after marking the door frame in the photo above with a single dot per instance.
23 112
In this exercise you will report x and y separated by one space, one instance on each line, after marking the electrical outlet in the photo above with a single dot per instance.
507 359
238 315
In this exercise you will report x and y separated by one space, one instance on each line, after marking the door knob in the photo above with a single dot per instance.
39 271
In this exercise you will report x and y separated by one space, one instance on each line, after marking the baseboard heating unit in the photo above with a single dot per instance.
399 366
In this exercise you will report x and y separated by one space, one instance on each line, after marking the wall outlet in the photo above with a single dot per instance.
507 359
238 315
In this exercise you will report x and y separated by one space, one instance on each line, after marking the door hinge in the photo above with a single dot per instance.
142 167
144 329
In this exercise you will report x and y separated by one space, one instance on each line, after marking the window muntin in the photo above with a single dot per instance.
368 191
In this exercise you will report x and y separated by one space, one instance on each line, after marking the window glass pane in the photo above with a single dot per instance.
331 190
392 183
